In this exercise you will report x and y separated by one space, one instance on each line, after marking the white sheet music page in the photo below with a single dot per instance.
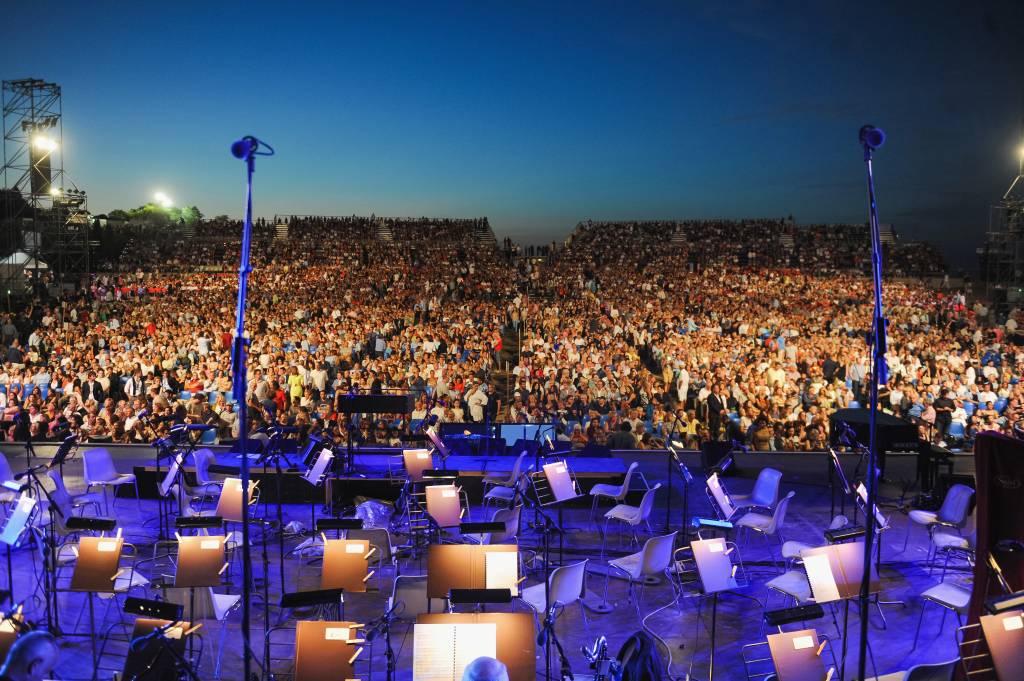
502 570
441 652
433 652
473 641
823 583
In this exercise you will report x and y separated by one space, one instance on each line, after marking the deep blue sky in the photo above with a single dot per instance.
539 114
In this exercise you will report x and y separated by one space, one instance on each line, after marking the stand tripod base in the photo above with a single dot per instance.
595 603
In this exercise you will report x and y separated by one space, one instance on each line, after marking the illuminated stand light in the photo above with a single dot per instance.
44 143
163 200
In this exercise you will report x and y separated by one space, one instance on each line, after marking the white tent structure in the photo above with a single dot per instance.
17 266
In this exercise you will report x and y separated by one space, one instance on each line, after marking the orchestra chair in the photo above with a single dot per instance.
631 516
767 525
952 513
565 586
655 558
100 472
617 493
765 493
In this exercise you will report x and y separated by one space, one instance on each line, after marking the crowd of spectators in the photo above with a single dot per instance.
628 334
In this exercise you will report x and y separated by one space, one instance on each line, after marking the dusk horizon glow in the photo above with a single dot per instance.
540 117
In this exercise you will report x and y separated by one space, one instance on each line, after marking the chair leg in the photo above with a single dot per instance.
220 648
920 619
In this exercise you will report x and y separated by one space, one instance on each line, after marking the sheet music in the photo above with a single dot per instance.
721 498
560 480
441 652
319 466
15 524
502 570
880 519
823 582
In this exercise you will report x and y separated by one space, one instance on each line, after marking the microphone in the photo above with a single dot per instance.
871 137
245 147
549 621
30 471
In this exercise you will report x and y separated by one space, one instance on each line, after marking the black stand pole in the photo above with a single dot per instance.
246 149
872 138
714 623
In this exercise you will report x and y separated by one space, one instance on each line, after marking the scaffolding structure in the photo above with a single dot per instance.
1002 256
44 213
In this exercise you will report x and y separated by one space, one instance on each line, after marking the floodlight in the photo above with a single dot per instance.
55 191
44 143
163 199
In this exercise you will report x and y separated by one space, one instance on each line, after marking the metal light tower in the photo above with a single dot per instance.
44 213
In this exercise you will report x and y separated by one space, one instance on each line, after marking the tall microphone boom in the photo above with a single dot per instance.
244 147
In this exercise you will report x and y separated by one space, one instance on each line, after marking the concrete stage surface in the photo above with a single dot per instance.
904 575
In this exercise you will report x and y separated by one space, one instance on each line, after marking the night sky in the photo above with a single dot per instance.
540 114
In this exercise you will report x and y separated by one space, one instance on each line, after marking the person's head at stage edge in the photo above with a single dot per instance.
32 658
485 669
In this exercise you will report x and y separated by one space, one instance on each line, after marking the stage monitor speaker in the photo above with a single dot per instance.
375 404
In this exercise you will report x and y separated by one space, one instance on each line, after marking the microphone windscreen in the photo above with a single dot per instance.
241 148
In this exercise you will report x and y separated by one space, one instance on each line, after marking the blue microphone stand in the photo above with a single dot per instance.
245 149
872 138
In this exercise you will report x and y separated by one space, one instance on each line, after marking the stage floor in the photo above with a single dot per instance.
739 620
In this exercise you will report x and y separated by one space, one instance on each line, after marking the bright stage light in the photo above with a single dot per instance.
44 143
163 200
55 191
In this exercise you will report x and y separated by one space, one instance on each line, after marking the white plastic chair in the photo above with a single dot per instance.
767 525
510 535
656 557
100 472
74 502
632 516
765 493
205 487
506 496
510 481
617 493
792 551
952 513
565 587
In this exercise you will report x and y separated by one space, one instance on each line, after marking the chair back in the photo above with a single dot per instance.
940 671
99 467
566 584
766 488
657 554
60 492
509 516
647 503
517 467
955 505
628 477
412 591
203 458
779 515
5 469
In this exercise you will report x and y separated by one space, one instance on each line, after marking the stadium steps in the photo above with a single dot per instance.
787 241
486 235
281 231
679 236
384 232
886 234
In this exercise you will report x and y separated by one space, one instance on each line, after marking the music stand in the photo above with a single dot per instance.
836 472
442 652
229 504
720 499
346 565
158 657
834 573
797 656
444 505
22 510
319 466
96 571
717 574
471 566
201 561
326 650
554 485
416 461
11 627
1004 635
439 445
